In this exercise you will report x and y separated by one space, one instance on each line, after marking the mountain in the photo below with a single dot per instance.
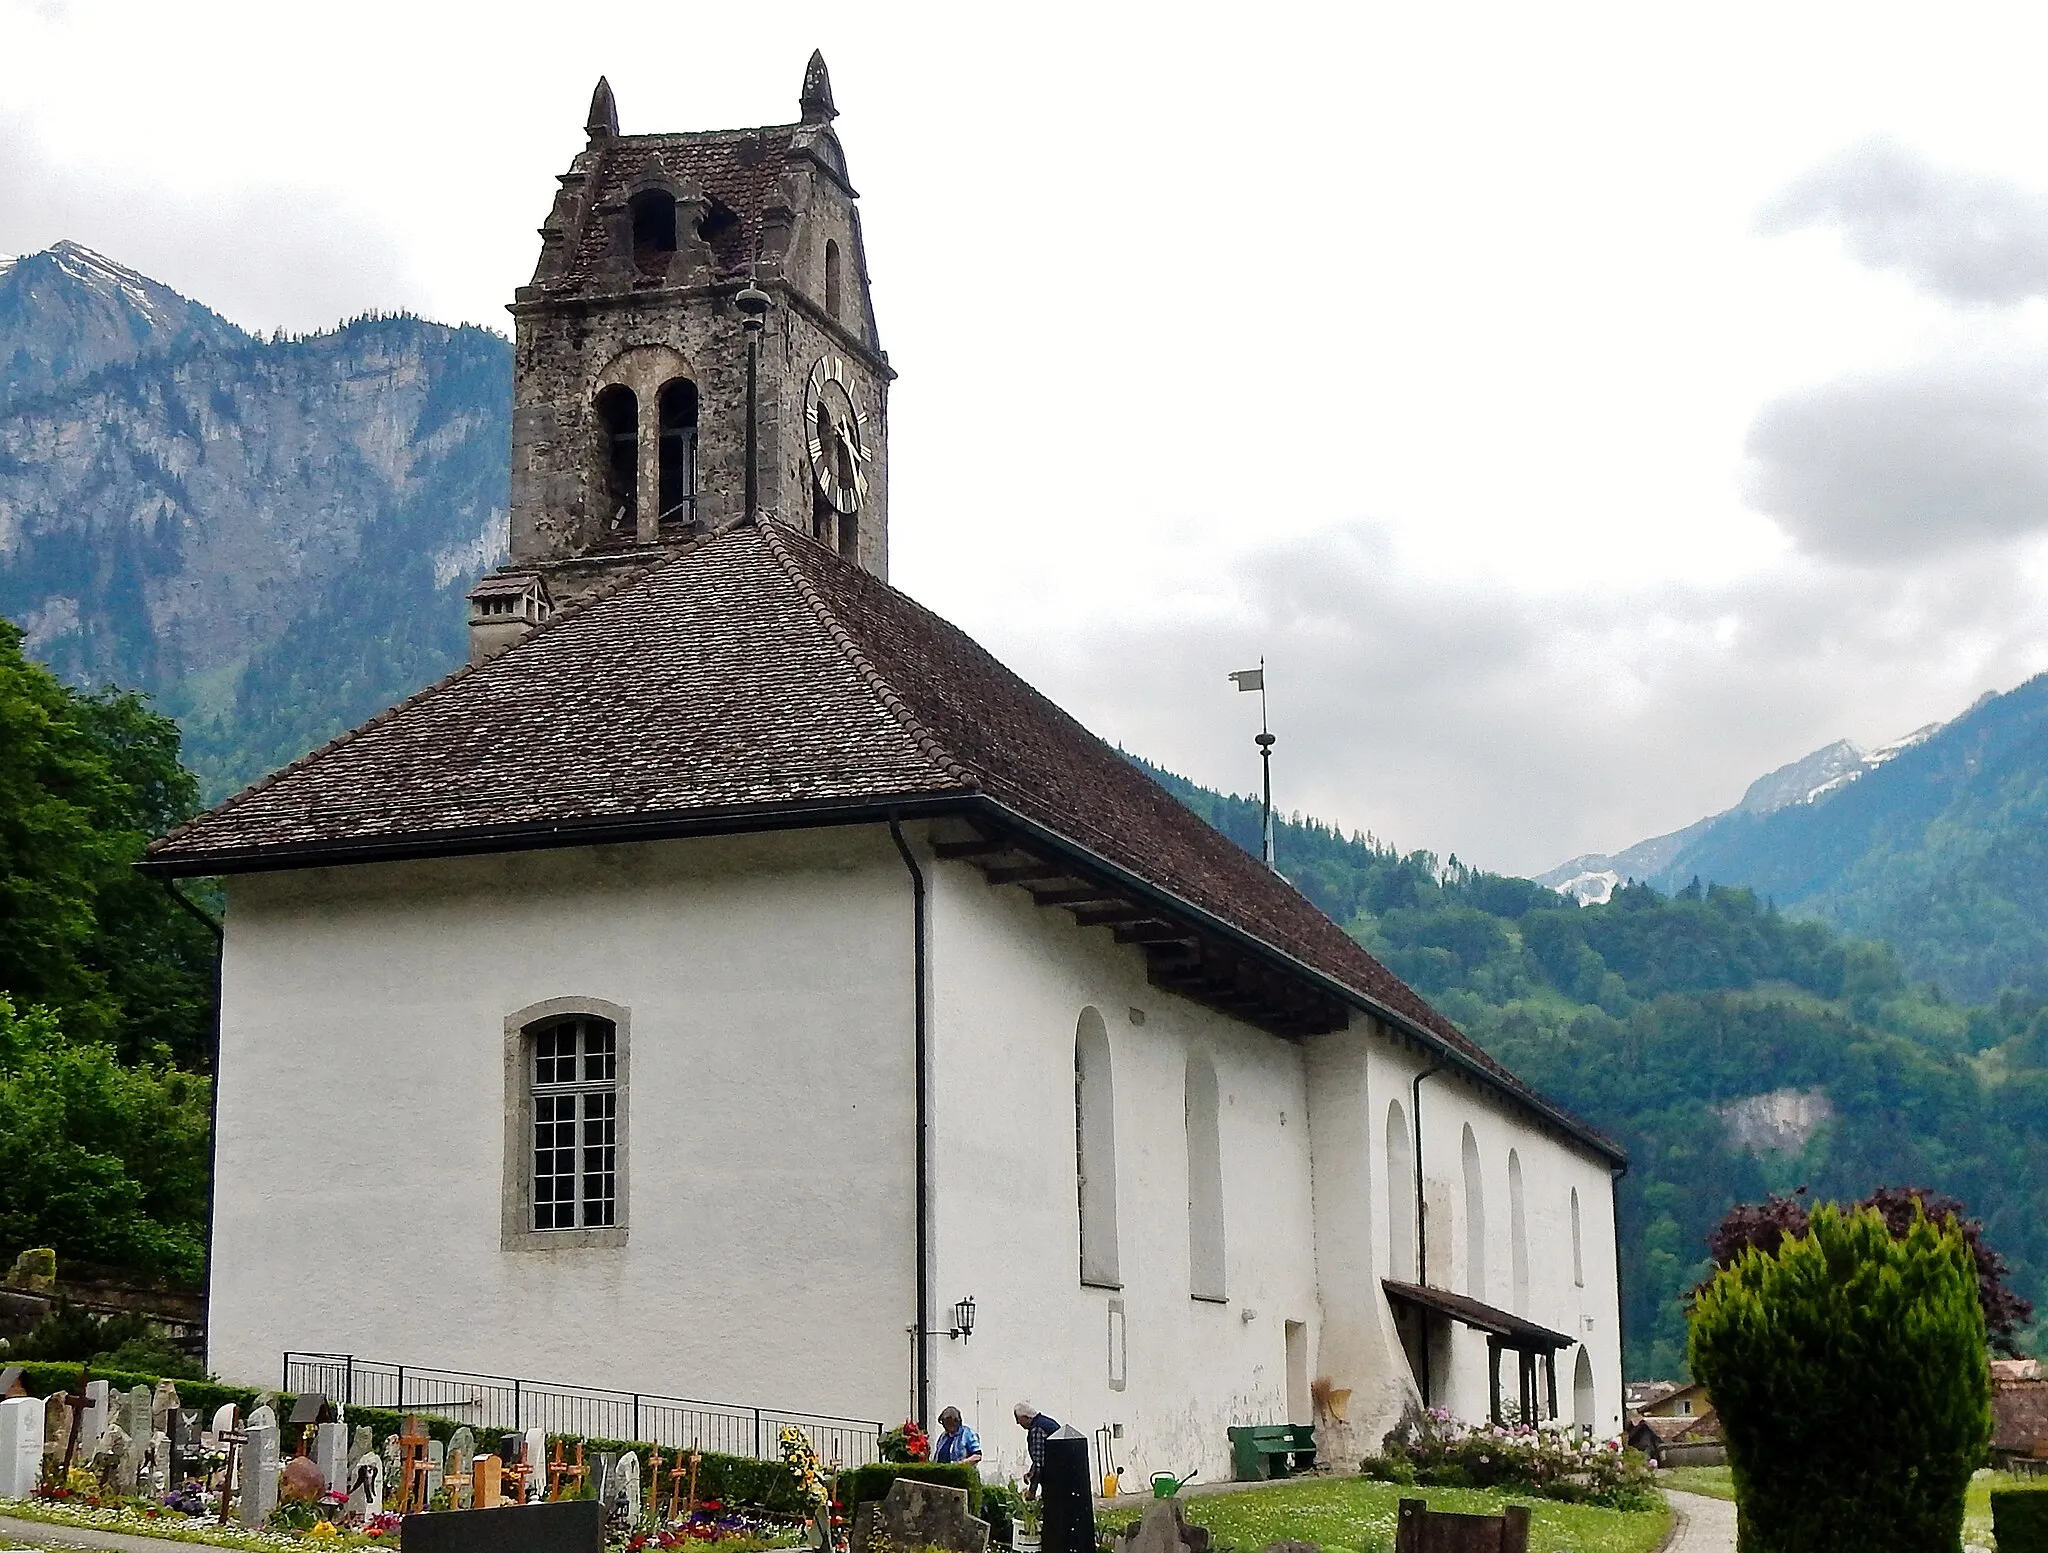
67 312
1593 877
1935 844
270 537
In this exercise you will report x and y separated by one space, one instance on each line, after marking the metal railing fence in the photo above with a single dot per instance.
505 1402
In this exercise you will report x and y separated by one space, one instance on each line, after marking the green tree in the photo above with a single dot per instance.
1848 1371
86 779
102 1161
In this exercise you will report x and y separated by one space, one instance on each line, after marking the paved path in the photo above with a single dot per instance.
1700 1524
15 1532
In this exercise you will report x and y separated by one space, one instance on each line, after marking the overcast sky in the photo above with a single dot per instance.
1583 409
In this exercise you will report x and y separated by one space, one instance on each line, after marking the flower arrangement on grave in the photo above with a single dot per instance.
906 1443
801 1457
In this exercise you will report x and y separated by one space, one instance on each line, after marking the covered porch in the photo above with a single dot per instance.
1534 1346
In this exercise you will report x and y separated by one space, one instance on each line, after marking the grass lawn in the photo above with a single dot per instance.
1714 1482
1358 1514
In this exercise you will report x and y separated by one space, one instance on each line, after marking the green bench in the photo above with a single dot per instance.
1260 1451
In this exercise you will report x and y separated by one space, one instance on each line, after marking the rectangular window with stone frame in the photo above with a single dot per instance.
565 1135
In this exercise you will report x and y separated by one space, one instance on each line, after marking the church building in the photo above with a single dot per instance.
734 983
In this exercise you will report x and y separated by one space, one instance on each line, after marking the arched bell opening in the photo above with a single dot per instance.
618 420
676 476
654 230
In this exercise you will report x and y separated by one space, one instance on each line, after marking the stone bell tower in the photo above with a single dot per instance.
630 377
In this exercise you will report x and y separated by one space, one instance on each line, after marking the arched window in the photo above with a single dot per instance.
1095 1150
678 450
1578 1244
1475 1219
654 230
1400 1196
1582 1393
618 420
1205 1181
1518 1234
831 277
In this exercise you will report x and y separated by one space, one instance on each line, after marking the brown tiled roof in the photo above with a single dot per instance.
753 672
738 168
2019 1416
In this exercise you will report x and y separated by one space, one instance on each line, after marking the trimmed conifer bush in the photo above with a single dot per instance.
2019 1519
1848 1370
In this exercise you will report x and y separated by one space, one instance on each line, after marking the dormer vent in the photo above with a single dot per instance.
502 609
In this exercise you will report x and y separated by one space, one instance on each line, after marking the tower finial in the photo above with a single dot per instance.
604 112
816 101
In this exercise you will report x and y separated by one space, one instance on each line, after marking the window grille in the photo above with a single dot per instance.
575 1125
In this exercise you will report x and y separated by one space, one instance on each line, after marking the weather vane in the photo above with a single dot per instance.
1255 679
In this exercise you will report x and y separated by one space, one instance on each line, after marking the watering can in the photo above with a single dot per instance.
1165 1485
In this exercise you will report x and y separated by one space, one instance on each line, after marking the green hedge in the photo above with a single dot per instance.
859 1485
2019 1518
730 1480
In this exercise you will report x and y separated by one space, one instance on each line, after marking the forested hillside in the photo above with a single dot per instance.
1663 1020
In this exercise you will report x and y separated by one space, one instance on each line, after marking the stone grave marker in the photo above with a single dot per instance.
21 1446
1164 1529
360 1443
365 1487
226 1420
302 1480
919 1515
97 1416
602 1489
535 1456
330 1455
437 1468
163 1403
259 1468
108 1453
56 1424
140 1424
457 1466
156 1466
1067 1488
626 1490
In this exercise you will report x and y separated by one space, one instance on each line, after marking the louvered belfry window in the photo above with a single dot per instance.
575 1125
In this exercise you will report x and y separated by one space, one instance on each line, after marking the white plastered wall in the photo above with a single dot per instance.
769 1227
1010 982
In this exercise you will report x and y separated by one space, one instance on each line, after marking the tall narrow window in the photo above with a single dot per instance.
1518 1234
1205 1182
1475 1219
1582 1392
831 277
654 231
618 420
1578 1244
575 1125
678 450
1400 1196
1095 1150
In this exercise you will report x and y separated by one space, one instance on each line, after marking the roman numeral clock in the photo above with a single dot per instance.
836 430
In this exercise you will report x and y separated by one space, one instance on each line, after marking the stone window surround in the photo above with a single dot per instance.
517 1232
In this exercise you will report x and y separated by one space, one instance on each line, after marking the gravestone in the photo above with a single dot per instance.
259 1468
921 1515
156 1466
365 1487
162 1404
437 1460
139 1422
625 1485
330 1455
225 1420
460 1461
262 1416
394 1468
1419 1529
1067 1488
601 1479
1164 1528
535 1456
184 1427
107 1453
97 1416
570 1526
361 1443
21 1446
302 1480
56 1424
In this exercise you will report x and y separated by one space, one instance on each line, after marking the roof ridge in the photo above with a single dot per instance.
573 609
870 676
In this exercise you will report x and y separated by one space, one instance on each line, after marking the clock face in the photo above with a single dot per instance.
836 431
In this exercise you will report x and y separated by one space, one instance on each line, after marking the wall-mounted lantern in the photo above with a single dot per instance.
963 1319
